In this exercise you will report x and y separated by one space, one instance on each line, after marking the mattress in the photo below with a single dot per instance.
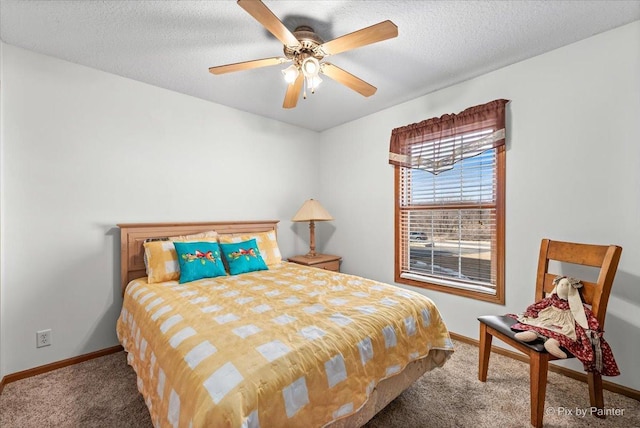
290 346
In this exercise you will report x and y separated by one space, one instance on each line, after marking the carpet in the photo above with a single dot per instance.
102 393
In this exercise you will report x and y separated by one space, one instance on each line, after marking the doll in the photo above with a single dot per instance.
563 321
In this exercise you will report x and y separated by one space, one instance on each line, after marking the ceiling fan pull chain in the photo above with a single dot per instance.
304 88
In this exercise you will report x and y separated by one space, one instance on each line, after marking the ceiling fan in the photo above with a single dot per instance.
305 49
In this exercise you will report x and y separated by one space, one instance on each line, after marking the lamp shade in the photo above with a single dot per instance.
312 210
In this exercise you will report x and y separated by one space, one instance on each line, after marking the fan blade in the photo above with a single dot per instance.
264 16
348 79
247 65
293 92
376 33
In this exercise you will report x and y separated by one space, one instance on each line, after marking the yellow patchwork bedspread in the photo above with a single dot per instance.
291 346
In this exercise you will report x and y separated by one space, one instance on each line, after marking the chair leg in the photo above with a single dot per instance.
538 366
596 397
485 352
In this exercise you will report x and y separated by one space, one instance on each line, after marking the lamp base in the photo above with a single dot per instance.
312 240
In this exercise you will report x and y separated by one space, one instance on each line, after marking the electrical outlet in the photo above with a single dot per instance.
43 338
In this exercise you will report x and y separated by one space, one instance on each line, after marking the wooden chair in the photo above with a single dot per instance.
604 257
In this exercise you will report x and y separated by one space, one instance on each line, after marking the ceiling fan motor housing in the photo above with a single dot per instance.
309 45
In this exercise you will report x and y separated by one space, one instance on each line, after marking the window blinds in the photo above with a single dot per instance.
448 221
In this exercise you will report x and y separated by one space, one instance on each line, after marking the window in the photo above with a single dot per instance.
449 205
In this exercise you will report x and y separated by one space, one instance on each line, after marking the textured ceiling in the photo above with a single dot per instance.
171 44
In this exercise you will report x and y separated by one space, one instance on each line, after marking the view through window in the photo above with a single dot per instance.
450 220
448 225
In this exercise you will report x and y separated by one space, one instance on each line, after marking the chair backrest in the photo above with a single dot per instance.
604 257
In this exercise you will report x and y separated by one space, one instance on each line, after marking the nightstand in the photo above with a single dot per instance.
321 261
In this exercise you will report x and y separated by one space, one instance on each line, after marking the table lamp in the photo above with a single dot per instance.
312 211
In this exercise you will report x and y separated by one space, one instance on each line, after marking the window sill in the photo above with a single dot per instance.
450 287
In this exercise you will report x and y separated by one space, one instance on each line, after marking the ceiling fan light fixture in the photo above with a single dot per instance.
290 74
313 83
310 67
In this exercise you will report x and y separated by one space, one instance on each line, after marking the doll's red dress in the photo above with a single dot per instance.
589 347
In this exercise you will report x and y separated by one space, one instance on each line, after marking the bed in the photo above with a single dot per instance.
287 346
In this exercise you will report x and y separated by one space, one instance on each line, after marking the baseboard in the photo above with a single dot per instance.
581 376
57 365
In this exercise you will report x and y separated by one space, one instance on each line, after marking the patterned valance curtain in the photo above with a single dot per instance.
436 144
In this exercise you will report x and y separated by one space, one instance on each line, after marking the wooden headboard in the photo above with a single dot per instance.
132 237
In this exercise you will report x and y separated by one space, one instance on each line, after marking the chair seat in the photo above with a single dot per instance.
503 324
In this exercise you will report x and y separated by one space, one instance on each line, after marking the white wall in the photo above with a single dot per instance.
84 150
573 171
1 210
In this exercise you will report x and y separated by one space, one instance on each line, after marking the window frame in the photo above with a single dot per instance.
498 252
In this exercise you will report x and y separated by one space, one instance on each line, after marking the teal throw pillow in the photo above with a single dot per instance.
243 257
199 260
